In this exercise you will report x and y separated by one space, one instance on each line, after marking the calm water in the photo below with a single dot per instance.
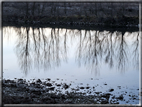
88 57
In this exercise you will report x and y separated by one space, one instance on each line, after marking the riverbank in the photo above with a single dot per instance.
20 91
71 13
76 20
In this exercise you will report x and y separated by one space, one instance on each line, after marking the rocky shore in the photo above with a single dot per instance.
20 91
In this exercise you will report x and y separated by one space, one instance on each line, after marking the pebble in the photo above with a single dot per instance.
110 90
49 84
81 87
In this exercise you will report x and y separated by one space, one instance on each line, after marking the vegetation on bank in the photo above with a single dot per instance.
109 14
75 20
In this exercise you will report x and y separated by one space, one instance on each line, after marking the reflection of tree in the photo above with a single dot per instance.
109 50
44 50
88 49
23 53
103 46
135 53
121 51
44 47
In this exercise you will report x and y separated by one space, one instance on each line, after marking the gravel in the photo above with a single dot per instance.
19 91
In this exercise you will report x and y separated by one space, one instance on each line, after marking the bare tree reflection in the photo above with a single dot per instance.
104 46
48 47
121 51
33 45
88 50
135 53
23 45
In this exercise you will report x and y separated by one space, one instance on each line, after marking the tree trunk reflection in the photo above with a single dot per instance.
48 47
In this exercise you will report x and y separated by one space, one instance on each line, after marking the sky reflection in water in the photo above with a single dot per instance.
71 54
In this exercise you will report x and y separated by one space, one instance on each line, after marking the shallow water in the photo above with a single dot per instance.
72 56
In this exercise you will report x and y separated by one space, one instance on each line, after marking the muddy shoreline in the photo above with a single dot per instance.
20 91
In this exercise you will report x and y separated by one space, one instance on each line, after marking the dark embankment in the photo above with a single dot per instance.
84 14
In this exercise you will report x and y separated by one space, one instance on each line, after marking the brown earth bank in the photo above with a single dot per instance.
69 13
20 91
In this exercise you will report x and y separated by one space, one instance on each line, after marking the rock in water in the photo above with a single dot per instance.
39 81
49 84
65 86
110 90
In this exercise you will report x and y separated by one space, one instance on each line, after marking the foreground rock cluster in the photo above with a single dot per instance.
20 91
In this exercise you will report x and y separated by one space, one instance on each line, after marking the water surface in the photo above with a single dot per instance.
80 57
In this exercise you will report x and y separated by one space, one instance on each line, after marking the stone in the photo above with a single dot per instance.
58 85
81 87
104 101
97 92
110 90
120 97
52 88
106 95
20 81
37 86
7 81
49 84
38 81
87 87
65 86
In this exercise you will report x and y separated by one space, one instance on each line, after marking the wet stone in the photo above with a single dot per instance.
87 87
97 92
37 86
81 87
58 85
21 85
55 96
32 84
46 98
65 86
38 81
52 88
20 81
48 79
49 84
120 97
106 95
104 101
7 81
110 90
35 91
13 85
